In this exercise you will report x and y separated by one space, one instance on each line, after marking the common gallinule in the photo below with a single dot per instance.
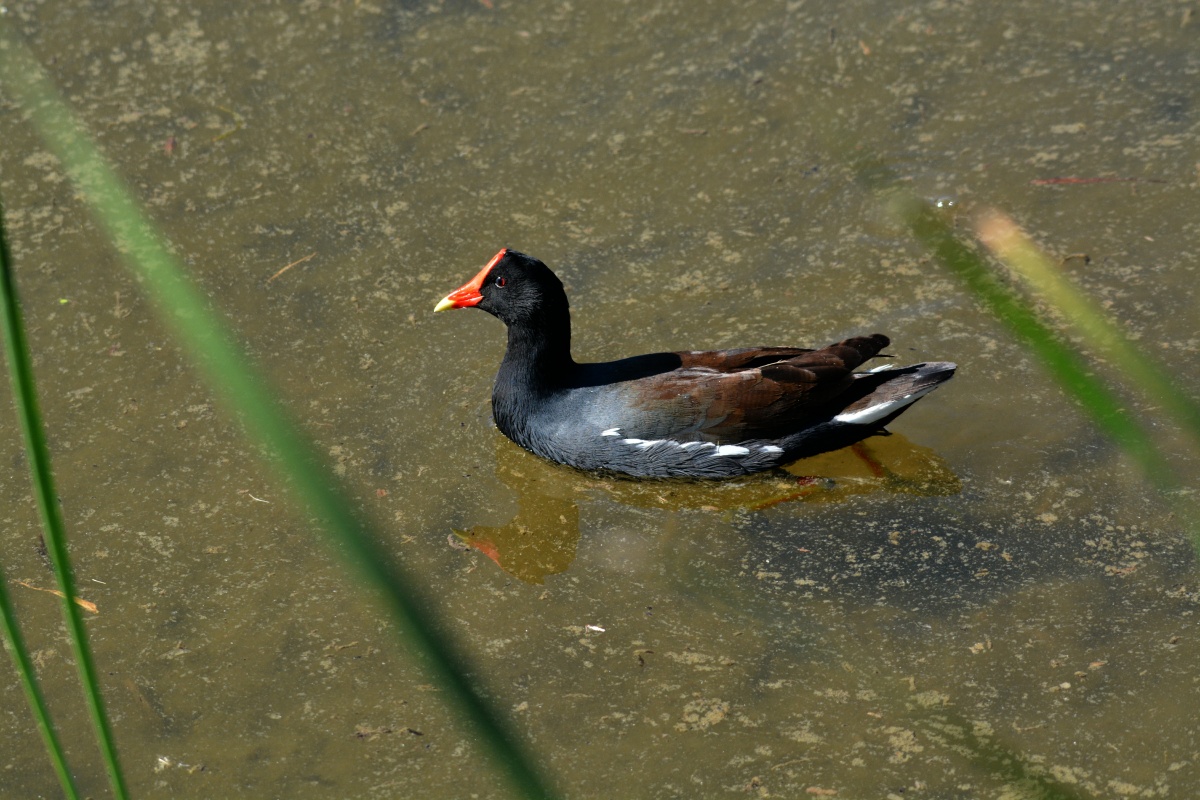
697 414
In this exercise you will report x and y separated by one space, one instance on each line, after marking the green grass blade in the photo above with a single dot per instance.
202 333
1062 361
1066 365
20 369
992 755
41 715
1140 372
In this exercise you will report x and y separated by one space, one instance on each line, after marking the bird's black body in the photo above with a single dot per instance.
699 414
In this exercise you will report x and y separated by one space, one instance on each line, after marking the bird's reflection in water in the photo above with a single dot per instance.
541 539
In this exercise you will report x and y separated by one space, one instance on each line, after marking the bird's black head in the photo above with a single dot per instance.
516 288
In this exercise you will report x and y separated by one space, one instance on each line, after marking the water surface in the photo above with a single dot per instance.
988 602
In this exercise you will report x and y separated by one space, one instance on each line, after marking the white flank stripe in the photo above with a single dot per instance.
721 450
643 443
611 432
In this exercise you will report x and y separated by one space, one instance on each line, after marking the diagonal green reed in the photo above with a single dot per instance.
20 370
313 486
1063 361
1135 368
995 757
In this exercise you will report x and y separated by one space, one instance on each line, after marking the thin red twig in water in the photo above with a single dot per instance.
1071 181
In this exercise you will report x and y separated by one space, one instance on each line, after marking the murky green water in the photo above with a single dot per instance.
989 602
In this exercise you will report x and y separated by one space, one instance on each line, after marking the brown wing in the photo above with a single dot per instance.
733 395
743 358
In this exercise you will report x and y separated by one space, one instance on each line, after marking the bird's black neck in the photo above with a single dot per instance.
537 361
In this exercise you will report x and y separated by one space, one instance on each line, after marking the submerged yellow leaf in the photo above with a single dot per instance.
79 601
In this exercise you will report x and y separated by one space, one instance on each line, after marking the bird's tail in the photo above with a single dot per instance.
892 390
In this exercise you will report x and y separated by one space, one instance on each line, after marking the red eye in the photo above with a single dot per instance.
501 281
